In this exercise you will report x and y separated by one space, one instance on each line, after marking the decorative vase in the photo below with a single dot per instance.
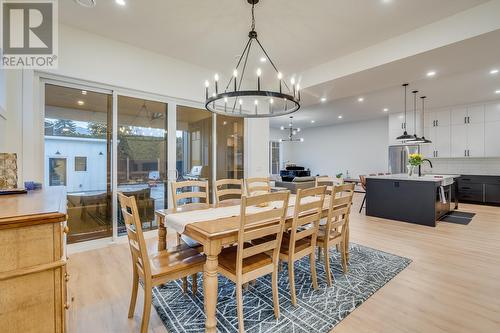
411 170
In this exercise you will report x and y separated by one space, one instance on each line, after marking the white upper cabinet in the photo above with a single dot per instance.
492 112
492 130
459 116
443 117
459 140
475 139
475 114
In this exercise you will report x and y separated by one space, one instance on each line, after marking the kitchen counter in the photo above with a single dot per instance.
420 200
424 178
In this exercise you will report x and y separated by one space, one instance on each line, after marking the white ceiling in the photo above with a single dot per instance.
462 77
298 34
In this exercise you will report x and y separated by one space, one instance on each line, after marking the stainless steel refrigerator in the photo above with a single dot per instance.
398 157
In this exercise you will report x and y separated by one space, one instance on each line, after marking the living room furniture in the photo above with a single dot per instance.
296 184
292 171
156 268
33 277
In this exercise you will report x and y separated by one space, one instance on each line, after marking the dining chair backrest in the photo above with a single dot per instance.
339 209
226 189
257 185
190 189
137 244
362 179
261 216
307 214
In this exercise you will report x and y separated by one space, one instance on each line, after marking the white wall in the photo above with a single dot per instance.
93 58
359 147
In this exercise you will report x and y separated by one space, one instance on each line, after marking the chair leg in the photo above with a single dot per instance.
133 297
276 303
362 204
239 305
327 267
319 253
184 284
179 240
312 261
291 281
344 258
194 288
148 294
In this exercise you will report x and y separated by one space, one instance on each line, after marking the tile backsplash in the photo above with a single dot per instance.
464 166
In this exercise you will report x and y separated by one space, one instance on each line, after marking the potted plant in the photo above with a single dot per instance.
415 160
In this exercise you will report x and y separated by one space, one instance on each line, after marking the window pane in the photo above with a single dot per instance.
142 157
230 149
77 131
194 144
80 163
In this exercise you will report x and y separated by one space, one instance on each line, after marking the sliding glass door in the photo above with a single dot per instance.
142 151
77 156
81 156
193 144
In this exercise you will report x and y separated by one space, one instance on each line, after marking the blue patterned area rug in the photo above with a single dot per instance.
317 310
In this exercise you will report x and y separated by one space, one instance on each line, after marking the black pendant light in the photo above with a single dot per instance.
423 119
415 139
405 135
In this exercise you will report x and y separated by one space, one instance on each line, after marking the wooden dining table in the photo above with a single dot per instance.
214 234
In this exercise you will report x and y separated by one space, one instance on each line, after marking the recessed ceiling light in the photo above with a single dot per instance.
431 73
80 103
120 2
313 121
86 3
263 59
386 1
386 109
497 92
323 99
361 99
494 71
340 117
84 92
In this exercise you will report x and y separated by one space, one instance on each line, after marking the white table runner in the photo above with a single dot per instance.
178 221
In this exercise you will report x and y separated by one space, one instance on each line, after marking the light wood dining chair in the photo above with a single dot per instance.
334 232
300 241
190 190
245 262
228 189
257 185
156 268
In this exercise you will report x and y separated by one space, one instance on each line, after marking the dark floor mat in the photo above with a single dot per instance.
457 217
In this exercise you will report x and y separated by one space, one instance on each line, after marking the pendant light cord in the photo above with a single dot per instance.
253 17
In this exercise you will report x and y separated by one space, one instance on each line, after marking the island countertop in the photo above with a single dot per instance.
425 178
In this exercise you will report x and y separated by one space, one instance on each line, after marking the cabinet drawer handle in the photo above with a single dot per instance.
66 229
66 277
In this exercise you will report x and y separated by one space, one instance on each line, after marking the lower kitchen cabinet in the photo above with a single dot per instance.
479 189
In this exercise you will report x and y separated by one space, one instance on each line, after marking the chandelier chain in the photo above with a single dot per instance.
253 17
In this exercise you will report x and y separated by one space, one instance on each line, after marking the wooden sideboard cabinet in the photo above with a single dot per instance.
33 277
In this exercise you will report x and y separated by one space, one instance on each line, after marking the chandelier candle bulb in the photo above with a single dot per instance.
207 84
216 79
259 73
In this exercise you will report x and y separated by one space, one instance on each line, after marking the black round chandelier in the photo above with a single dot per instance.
259 101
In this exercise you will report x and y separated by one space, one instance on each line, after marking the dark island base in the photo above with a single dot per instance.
406 200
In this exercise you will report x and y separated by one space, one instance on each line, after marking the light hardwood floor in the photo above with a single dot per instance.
452 285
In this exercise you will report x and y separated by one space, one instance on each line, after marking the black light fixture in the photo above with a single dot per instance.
252 103
415 138
291 132
405 135
423 119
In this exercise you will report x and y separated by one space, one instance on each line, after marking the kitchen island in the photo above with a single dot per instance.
420 200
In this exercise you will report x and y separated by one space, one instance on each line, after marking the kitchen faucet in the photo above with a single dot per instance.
420 166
